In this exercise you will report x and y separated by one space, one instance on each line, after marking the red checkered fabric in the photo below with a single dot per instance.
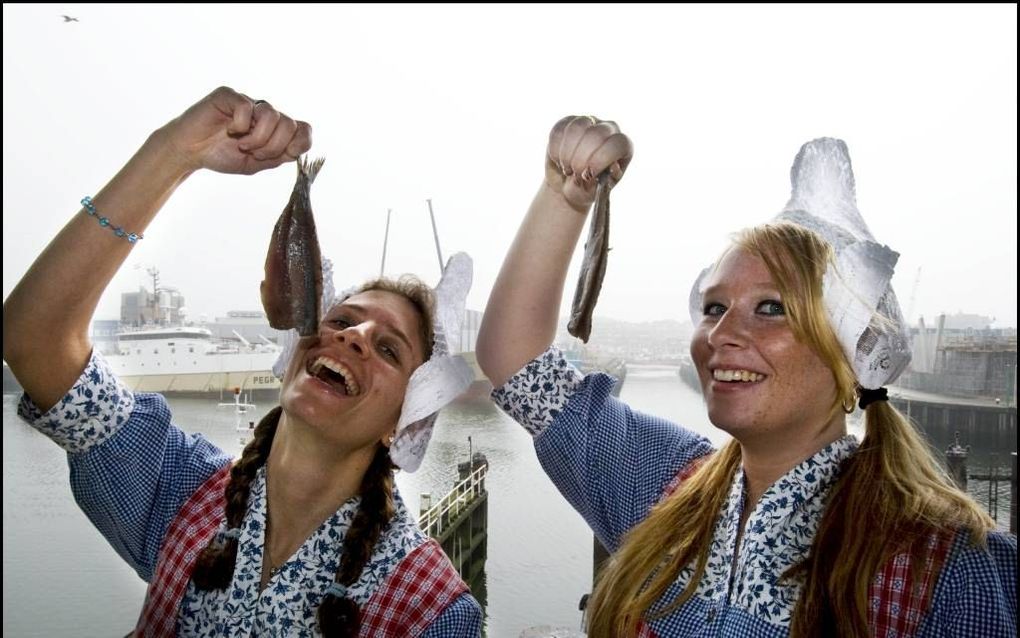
898 602
685 473
187 536
413 596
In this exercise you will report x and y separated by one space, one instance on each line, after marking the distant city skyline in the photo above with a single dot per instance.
964 319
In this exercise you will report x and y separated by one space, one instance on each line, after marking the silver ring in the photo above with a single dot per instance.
257 102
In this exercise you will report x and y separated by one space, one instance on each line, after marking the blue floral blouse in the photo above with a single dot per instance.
613 463
131 471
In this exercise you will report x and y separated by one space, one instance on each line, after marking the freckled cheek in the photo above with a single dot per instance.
785 387
806 374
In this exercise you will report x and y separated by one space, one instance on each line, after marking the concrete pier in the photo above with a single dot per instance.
981 423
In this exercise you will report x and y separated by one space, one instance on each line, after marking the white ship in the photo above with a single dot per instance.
188 360
169 357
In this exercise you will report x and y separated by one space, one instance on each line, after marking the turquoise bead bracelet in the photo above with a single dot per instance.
90 208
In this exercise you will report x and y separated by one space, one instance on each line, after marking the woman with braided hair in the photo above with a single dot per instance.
792 528
305 534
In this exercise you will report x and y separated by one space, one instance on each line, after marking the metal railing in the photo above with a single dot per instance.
434 520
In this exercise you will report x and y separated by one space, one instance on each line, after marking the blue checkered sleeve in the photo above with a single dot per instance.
131 470
462 619
610 462
976 591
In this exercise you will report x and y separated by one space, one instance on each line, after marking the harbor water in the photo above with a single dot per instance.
62 579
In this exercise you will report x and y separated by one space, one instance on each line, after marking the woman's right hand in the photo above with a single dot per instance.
521 316
582 147
47 315
228 132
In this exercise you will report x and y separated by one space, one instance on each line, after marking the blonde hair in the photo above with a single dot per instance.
891 496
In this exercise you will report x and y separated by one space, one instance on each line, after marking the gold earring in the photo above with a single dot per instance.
850 409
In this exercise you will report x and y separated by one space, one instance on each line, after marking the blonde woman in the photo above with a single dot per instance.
793 527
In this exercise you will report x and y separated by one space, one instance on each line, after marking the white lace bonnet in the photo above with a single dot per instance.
435 383
858 295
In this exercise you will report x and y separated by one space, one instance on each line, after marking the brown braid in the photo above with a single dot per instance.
214 567
339 617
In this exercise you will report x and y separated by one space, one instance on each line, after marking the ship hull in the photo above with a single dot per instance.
197 373
260 382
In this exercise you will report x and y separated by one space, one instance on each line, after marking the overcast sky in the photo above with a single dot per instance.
454 103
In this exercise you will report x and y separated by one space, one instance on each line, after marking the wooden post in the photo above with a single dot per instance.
1012 498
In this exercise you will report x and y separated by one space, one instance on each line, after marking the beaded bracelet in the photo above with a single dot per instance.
90 208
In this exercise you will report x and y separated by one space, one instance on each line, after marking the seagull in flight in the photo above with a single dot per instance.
69 18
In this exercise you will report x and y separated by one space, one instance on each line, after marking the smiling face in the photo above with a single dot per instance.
348 382
758 378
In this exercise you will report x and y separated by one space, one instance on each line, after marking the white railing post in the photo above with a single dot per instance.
431 520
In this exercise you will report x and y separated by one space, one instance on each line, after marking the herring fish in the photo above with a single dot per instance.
292 289
593 270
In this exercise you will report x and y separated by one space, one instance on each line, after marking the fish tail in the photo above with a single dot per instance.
309 169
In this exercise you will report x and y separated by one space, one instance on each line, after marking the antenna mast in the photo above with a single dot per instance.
386 239
154 273
435 234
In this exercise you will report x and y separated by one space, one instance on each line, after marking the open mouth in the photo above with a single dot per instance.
334 374
736 376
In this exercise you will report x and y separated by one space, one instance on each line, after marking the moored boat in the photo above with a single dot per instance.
185 360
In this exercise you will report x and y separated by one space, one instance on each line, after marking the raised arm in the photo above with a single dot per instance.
520 318
47 315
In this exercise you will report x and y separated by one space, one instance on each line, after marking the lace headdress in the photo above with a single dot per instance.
858 295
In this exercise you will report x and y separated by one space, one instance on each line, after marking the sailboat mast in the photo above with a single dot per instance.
386 239
435 234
